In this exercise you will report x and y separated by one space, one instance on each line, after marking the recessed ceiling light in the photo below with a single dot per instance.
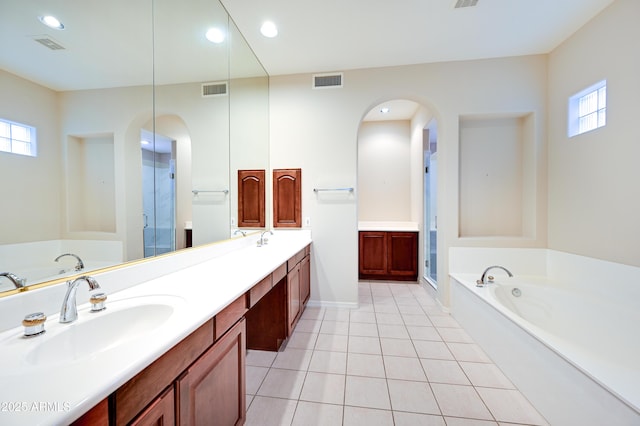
269 29
51 22
384 110
215 35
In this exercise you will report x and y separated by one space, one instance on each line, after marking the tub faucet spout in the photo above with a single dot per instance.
79 265
69 310
484 279
17 281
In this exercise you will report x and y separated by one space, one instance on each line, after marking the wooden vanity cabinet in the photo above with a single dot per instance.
388 255
293 297
143 389
251 198
298 286
160 412
305 278
201 380
97 416
203 374
372 254
212 390
267 316
287 198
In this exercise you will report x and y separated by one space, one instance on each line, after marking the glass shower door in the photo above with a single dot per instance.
158 194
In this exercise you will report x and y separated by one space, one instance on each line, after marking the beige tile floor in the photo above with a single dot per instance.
396 360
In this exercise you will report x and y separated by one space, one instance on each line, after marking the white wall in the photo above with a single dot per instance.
121 112
384 171
317 130
124 112
491 177
31 185
594 190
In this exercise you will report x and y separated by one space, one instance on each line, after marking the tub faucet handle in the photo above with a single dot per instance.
34 324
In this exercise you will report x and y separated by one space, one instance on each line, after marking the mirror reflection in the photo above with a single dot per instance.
140 131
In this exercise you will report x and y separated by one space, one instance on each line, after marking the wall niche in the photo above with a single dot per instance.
497 176
91 183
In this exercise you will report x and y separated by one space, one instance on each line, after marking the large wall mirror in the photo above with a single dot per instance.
141 122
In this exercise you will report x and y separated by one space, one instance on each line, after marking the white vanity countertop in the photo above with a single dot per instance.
388 226
54 392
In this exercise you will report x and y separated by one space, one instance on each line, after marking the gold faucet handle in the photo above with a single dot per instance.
34 324
98 302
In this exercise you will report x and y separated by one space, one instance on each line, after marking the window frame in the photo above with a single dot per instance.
32 141
575 114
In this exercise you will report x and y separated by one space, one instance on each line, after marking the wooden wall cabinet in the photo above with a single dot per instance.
287 198
251 198
388 255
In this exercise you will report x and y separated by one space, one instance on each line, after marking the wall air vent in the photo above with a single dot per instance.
214 89
49 42
324 81
465 3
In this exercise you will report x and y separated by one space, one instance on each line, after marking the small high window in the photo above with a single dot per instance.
588 109
17 138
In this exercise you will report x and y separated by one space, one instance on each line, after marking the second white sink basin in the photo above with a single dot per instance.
95 332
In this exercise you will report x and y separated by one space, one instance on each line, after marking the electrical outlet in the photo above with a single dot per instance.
307 221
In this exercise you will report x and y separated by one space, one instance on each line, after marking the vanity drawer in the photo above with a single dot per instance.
259 290
295 259
229 316
279 273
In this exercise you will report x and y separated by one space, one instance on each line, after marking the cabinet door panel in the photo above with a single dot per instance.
160 412
305 279
373 253
403 253
293 297
287 202
251 198
212 392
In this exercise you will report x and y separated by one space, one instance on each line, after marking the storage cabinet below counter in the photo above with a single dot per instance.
388 255
298 286
202 375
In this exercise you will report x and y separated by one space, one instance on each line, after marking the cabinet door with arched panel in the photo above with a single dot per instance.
287 198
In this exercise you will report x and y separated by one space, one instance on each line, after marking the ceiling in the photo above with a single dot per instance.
105 47
337 35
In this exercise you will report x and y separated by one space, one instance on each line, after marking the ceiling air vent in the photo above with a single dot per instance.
214 89
323 81
47 41
465 3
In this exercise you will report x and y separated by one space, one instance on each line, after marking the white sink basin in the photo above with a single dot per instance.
95 332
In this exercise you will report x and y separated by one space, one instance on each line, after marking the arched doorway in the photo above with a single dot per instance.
166 181
397 175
